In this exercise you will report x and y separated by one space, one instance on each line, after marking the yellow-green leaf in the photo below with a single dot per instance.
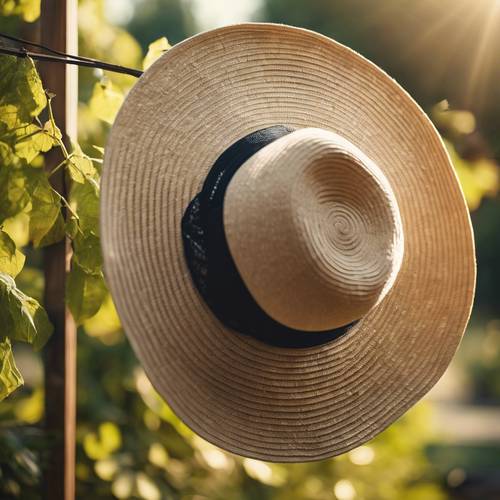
21 92
10 377
22 317
11 259
81 167
105 101
46 221
85 200
85 292
13 194
34 140
155 50
87 252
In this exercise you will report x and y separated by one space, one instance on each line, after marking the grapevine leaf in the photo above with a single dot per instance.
87 252
155 50
80 166
105 101
13 194
85 292
46 221
11 259
10 377
85 197
21 92
24 318
35 140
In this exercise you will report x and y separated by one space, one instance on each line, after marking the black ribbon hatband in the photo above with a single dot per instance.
211 265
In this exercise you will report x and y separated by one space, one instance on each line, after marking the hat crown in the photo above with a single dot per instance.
314 229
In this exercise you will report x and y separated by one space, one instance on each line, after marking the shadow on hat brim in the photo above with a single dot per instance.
243 395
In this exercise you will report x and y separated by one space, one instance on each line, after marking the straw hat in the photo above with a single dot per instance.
286 241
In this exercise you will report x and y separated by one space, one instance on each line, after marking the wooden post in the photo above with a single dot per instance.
59 30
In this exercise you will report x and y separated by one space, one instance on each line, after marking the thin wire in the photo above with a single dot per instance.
62 57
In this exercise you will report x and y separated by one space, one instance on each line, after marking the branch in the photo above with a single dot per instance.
68 59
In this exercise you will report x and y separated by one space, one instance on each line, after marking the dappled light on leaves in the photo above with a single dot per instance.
270 474
363 455
344 490
29 10
103 442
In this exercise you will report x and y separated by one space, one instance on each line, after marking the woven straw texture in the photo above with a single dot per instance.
327 227
250 398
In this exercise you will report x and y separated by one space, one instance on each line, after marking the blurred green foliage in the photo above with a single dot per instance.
129 443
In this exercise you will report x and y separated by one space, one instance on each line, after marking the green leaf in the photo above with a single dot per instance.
10 377
105 101
21 92
85 292
155 50
14 196
87 252
35 140
11 259
80 166
85 198
46 221
22 317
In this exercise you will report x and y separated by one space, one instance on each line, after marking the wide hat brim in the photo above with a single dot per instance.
254 399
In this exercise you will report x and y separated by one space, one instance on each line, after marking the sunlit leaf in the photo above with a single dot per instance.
33 140
478 178
17 228
81 167
11 259
21 92
87 252
85 292
14 196
85 200
155 50
46 221
10 377
22 317
105 101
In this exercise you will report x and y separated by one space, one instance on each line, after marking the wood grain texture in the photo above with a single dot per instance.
59 31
